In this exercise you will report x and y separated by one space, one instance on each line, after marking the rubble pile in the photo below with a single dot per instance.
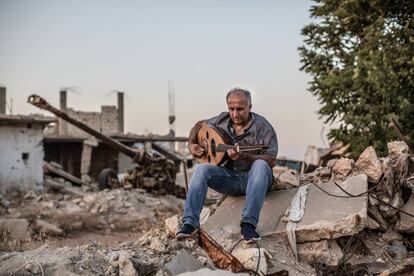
385 240
353 218
352 222
45 215
154 253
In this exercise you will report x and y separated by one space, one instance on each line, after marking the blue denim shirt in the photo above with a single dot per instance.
260 131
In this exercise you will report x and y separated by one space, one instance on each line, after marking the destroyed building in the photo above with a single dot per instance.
82 155
71 147
21 149
22 153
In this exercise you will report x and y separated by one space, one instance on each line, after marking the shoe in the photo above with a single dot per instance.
185 232
249 232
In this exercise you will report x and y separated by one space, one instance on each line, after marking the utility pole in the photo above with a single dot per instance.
171 111
3 100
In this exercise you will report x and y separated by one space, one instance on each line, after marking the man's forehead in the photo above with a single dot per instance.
237 98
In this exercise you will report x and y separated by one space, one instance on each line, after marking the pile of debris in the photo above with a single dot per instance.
350 217
107 211
154 253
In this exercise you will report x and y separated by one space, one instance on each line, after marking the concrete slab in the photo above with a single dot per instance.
182 262
328 217
224 225
325 217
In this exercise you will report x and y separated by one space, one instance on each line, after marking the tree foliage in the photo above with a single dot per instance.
360 54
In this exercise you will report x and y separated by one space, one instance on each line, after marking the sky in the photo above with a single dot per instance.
206 47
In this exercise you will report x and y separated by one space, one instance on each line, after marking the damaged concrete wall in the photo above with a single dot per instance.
67 154
105 121
21 157
102 157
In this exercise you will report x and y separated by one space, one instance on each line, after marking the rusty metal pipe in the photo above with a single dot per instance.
43 104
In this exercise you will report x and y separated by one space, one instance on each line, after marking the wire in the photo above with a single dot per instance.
326 192
258 248
374 196
395 208
349 195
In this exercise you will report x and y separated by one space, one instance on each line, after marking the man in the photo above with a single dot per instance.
243 174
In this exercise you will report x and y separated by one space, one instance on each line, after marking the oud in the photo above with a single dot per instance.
216 143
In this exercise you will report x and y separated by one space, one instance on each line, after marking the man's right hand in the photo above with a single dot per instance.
196 150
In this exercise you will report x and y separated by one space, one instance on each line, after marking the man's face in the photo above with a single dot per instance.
239 108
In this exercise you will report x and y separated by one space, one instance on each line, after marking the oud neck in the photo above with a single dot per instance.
224 147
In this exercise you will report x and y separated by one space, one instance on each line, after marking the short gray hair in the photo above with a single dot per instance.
238 90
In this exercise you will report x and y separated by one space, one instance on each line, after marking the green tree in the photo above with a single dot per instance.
360 54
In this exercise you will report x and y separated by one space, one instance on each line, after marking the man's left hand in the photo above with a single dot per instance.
234 155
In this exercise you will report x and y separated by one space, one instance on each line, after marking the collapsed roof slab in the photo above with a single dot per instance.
224 225
331 217
325 217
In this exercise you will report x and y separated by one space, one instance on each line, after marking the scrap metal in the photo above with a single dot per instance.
221 258
153 171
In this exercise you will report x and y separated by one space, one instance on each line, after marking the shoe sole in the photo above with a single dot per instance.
182 236
252 240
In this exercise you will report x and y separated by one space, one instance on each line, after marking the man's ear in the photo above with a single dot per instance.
250 107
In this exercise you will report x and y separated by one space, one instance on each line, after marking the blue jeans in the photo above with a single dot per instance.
253 183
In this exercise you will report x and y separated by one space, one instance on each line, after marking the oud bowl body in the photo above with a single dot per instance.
210 137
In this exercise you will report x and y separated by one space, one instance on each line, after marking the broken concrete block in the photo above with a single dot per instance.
287 180
141 267
330 217
156 245
17 228
251 257
172 225
371 224
406 223
126 267
204 215
331 163
343 166
325 251
47 228
375 214
396 148
369 163
309 178
391 235
397 250
323 172
182 262
113 258
396 201
224 224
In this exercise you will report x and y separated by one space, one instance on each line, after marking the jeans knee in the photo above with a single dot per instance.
261 166
203 170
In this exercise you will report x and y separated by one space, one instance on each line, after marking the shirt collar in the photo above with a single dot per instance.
245 130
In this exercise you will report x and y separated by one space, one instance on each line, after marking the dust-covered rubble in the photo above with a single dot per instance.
373 191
